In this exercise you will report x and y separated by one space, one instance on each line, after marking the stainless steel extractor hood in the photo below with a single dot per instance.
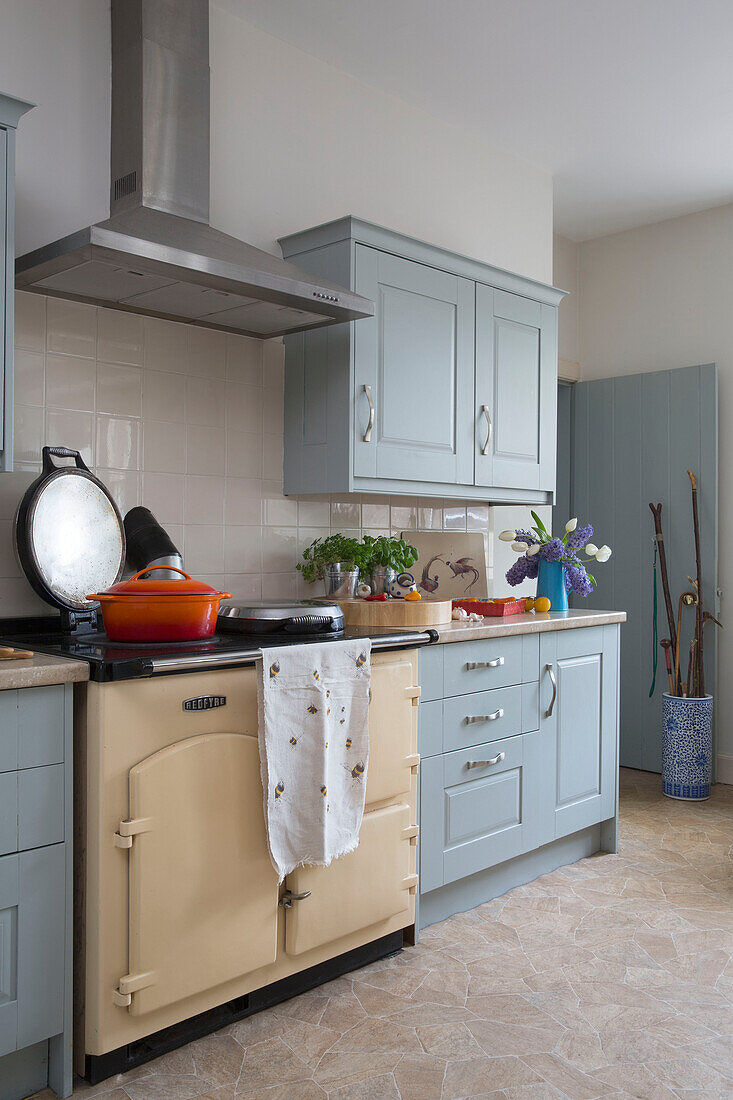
157 253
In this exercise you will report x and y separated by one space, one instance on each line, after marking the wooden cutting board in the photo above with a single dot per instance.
395 613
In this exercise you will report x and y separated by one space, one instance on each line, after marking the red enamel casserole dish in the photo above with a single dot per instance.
159 609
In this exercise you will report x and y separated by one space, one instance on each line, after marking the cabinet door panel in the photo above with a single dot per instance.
477 810
203 893
32 935
369 885
416 355
583 725
516 379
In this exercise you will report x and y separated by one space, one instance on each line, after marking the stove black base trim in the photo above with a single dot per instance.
98 1067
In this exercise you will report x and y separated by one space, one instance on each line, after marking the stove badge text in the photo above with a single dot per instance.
205 702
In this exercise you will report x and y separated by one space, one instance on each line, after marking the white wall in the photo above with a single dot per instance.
656 298
295 143
565 262
56 54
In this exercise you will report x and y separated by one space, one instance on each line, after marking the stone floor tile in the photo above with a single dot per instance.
309 1007
450 1041
419 1076
584 1052
637 1081
342 1012
339 1068
481 1076
268 1063
375 1088
573 1082
217 1059
167 1086
309 1042
373 1035
499 1040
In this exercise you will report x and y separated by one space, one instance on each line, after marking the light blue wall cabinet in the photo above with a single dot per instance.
448 390
414 367
35 890
517 774
516 388
582 724
11 111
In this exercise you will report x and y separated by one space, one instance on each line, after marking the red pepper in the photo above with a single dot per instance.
381 596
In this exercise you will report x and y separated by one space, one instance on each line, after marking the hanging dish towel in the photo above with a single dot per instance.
314 749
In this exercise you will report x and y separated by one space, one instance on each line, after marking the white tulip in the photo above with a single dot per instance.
508 536
571 525
534 549
591 550
519 547
604 553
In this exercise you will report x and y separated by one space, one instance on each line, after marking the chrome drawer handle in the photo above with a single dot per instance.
485 763
496 663
484 717
549 670
368 433
485 411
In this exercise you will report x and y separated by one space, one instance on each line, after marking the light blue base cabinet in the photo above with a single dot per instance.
519 758
35 890
450 389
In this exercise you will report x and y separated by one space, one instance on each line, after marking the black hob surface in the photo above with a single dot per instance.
110 661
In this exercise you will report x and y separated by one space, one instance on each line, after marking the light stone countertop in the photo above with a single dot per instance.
531 622
40 671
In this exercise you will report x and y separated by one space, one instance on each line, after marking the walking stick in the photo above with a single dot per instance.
657 513
667 647
698 677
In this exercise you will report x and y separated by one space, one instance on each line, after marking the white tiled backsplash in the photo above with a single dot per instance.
188 422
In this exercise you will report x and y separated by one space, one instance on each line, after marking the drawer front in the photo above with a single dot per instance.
481 806
490 663
490 715
31 727
31 808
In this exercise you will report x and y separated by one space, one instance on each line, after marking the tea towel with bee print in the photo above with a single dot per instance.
314 749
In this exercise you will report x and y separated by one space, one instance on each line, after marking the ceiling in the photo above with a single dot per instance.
628 103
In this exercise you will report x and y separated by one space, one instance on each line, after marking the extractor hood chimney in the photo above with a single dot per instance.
157 253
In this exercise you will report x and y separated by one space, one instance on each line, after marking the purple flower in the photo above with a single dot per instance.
578 538
525 536
577 580
553 550
524 568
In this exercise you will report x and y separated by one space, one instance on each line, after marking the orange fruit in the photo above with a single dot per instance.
529 604
542 604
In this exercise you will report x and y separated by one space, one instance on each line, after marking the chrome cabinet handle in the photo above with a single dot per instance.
368 433
496 663
485 763
487 414
470 719
286 901
549 669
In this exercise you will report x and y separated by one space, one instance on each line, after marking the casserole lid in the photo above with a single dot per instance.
144 585
69 533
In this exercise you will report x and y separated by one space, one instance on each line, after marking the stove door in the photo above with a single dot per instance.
203 893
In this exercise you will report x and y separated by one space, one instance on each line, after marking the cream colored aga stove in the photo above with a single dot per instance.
179 908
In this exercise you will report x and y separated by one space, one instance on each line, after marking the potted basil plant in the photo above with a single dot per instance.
383 558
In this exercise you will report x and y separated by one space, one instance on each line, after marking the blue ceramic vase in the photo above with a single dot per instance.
687 747
551 583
